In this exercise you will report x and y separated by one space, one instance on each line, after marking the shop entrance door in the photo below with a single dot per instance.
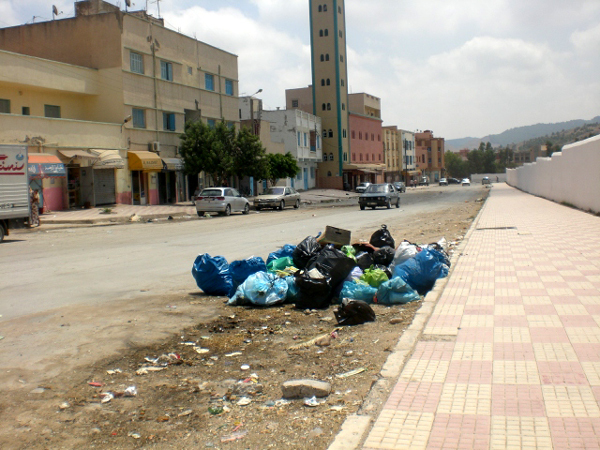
104 186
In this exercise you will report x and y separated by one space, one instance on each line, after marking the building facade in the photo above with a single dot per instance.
127 85
409 159
430 155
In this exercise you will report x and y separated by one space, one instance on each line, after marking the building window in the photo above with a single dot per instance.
340 33
166 71
331 157
328 82
305 140
312 173
4 106
229 87
353 134
320 33
168 121
328 106
190 70
343 107
342 82
324 133
209 82
330 133
344 133
361 156
379 138
326 32
339 9
326 56
324 8
322 58
366 157
299 137
372 137
298 176
25 110
394 159
341 58
211 123
324 106
139 118
324 157
318 142
322 81
136 62
320 8
345 156
360 134
294 103
52 111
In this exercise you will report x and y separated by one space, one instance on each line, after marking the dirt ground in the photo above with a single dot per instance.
217 384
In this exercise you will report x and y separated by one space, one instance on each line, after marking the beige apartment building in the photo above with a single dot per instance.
107 93
430 154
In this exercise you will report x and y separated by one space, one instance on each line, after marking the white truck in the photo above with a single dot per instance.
14 188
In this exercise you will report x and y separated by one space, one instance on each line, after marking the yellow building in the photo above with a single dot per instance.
108 92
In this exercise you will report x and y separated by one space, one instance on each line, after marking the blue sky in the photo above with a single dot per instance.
458 67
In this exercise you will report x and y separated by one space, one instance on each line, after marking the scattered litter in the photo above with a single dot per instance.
245 367
95 384
234 436
134 435
106 397
282 402
164 418
64 405
215 410
201 350
131 391
187 412
312 402
233 354
351 373
243 401
306 344
145 370
337 408
113 371
39 390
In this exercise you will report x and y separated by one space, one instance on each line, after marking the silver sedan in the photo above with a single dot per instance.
223 200
278 198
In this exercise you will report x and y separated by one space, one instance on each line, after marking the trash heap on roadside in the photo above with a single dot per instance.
326 269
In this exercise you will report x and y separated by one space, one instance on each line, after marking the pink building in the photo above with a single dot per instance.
366 149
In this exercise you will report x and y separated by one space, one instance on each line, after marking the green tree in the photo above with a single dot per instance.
222 152
455 166
281 166
489 159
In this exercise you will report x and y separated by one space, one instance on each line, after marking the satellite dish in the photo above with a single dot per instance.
128 3
54 10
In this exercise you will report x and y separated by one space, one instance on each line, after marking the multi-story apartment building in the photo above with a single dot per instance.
430 155
290 130
399 147
330 87
107 93
409 159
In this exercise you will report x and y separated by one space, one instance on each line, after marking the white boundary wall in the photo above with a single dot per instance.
571 176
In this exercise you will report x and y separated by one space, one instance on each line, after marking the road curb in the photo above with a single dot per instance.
356 427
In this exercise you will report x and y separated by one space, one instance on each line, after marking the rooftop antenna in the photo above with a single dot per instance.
54 12
127 5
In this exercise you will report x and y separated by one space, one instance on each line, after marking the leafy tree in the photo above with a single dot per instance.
489 159
222 152
281 166
455 166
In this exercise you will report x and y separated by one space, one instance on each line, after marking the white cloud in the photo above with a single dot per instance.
587 42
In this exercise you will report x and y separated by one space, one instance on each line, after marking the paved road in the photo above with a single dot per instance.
91 266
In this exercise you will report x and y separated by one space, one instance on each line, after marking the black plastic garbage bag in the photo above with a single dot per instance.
212 275
332 263
313 292
382 238
384 256
241 270
305 251
364 260
354 312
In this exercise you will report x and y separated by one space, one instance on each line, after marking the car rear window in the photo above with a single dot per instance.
275 191
377 188
211 193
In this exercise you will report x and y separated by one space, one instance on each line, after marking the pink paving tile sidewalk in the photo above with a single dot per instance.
519 365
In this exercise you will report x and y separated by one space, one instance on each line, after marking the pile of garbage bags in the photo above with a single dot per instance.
311 275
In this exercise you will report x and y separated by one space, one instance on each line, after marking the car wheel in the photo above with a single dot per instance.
362 207
227 210
373 207
258 208
388 205
246 209
297 204
200 213
281 205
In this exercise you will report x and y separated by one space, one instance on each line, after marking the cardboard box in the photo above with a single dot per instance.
336 236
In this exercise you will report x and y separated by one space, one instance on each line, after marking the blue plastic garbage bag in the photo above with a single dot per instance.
286 250
355 274
212 274
262 289
395 292
421 271
240 270
358 291
292 293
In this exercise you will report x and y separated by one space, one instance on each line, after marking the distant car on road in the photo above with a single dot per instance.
222 200
424 181
443 182
400 186
453 181
278 198
485 180
361 187
466 182
379 195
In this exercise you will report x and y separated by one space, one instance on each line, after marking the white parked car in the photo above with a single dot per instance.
222 200
466 182
362 187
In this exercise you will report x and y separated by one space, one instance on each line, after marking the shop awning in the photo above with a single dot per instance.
79 157
175 164
42 165
147 161
108 159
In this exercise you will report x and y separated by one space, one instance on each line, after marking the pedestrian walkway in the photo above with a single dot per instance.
511 354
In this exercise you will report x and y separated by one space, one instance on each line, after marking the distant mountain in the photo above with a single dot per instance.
517 135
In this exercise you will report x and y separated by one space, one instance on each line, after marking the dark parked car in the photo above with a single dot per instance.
453 181
379 195
400 186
